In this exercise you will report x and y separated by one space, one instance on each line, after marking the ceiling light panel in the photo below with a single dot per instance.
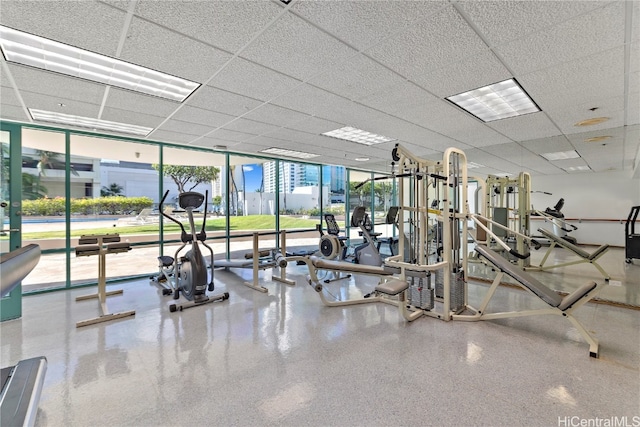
577 168
497 101
27 49
87 122
360 136
561 155
288 153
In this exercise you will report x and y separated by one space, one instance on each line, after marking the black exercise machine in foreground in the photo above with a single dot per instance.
22 383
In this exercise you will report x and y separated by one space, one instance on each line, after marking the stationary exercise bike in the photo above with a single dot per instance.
188 274
332 245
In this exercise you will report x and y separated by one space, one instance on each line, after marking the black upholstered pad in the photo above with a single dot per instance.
521 276
577 250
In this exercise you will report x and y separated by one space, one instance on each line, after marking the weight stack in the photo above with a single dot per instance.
457 291
421 292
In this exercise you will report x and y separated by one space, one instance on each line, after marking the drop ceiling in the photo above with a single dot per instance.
279 75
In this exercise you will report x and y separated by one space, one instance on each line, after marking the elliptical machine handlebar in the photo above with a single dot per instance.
166 215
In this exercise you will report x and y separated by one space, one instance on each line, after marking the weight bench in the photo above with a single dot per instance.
315 264
585 256
558 305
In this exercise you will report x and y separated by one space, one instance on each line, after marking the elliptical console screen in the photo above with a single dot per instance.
190 199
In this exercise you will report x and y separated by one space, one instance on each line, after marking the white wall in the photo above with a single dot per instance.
605 195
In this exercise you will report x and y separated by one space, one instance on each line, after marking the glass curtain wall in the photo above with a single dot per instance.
252 204
360 194
78 183
186 170
44 221
334 179
301 198
113 187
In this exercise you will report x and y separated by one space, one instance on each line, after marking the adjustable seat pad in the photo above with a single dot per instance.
521 276
573 248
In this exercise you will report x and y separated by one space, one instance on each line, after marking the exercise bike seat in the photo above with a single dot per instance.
167 261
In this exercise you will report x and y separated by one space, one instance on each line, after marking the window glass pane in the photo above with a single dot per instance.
114 189
252 203
334 182
43 206
300 197
360 185
193 170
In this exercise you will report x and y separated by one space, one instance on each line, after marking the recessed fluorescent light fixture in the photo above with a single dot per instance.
361 159
289 153
27 49
577 168
360 136
561 155
88 122
497 101
472 165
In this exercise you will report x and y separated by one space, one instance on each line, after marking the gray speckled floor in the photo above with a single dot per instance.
283 358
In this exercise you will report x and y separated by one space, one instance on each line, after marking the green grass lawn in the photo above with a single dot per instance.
249 223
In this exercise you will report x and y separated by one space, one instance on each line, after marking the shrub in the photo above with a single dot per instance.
102 205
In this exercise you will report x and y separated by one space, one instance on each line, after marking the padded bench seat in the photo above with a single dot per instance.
573 248
534 285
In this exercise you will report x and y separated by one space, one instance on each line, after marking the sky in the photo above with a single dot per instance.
252 176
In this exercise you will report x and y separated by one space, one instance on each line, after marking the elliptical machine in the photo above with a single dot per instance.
188 274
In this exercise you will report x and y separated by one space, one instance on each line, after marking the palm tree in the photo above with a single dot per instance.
112 190
50 160
32 189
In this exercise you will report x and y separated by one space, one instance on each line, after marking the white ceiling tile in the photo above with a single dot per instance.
128 100
275 115
8 96
584 35
566 118
57 85
226 25
211 98
176 55
502 21
131 117
209 142
250 126
429 45
363 23
480 69
201 116
601 72
529 126
230 135
185 127
253 80
169 136
51 103
12 112
85 24
281 45
356 78
289 135
314 125
548 145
